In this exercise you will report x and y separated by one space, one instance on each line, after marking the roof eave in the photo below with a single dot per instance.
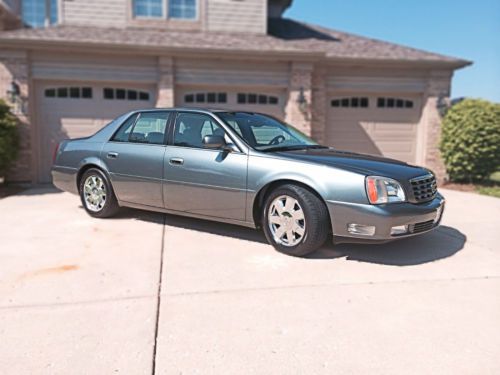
33 44
448 64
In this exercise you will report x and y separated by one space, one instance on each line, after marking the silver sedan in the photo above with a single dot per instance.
247 169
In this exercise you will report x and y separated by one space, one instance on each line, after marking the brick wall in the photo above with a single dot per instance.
319 102
295 114
437 88
165 95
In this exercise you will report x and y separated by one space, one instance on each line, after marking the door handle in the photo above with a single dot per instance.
112 155
176 161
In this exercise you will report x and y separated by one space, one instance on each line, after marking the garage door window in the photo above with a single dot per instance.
352 102
124 94
206 97
394 103
69 92
251 98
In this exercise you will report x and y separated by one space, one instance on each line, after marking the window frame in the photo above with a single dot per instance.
137 115
382 102
173 123
55 90
166 13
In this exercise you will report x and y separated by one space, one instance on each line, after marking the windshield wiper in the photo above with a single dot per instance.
294 147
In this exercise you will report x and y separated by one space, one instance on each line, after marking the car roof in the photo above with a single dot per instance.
193 109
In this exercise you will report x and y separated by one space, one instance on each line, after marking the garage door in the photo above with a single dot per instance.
374 124
264 101
72 110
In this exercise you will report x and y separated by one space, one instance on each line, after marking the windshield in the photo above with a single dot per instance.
266 133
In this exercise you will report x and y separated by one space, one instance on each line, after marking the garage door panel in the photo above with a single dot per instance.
235 99
376 130
62 117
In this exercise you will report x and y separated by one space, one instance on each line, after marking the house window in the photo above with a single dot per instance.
251 98
69 92
123 94
35 13
148 8
394 103
353 102
206 97
183 9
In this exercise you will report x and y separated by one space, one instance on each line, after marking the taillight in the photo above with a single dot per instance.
56 150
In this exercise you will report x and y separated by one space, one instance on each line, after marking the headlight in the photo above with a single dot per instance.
384 190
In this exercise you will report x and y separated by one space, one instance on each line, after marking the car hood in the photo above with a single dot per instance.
359 163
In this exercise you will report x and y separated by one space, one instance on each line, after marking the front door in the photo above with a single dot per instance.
203 181
135 158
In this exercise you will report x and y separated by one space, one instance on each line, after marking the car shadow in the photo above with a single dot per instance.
439 244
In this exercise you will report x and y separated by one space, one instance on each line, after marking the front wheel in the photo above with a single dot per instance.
97 194
295 220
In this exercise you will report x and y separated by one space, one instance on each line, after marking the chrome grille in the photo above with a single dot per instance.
424 188
421 227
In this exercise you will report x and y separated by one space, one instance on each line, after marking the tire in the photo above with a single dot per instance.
99 202
307 234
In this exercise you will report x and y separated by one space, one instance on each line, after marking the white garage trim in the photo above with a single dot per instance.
212 72
372 84
98 68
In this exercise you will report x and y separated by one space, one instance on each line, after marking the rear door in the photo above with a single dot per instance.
135 157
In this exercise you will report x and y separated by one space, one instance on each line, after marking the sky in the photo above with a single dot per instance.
461 28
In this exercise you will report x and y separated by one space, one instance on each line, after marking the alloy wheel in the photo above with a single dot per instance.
286 221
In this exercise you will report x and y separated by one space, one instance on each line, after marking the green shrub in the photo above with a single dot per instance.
9 139
470 140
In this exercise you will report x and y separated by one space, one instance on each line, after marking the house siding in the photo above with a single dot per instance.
249 16
95 12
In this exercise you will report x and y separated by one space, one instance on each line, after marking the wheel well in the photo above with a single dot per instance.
258 204
82 170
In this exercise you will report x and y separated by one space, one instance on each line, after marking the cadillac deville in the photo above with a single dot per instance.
248 169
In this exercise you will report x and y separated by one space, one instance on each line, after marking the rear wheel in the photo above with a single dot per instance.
97 194
295 220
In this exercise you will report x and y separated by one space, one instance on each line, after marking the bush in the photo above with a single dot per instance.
9 139
470 140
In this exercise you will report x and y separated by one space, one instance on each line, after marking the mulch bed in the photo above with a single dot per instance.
6 190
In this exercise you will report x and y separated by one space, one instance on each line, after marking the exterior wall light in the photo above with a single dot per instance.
442 104
15 98
14 92
302 102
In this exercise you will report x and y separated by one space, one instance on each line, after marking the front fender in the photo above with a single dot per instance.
331 184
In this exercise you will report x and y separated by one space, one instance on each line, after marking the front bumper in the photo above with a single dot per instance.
420 218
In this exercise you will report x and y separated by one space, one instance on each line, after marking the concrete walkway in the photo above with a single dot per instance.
150 293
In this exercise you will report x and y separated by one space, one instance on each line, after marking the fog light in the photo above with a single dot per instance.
400 229
364 230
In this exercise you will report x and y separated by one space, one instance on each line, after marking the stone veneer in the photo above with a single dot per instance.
300 79
165 95
437 88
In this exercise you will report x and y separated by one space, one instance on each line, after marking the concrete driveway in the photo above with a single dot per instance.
150 293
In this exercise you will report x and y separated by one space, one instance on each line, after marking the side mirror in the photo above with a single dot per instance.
214 142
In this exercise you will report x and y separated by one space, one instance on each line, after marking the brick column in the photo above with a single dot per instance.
14 66
319 104
295 114
437 88
165 96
